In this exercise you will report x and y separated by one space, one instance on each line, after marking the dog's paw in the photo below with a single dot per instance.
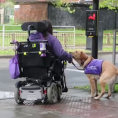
108 97
96 98
92 95
96 95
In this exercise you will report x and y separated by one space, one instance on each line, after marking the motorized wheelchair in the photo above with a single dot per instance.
43 71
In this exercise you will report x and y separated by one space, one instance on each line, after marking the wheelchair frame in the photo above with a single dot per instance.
46 88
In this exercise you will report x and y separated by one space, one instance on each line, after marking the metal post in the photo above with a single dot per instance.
114 41
114 47
74 37
95 38
3 36
2 16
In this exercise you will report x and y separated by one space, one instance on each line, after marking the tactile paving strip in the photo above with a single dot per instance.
75 106
71 105
84 107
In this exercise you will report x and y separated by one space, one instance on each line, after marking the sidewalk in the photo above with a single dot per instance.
74 104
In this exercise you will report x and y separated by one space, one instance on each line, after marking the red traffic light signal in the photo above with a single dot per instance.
92 17
91 22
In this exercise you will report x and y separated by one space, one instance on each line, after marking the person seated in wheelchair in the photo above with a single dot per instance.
43 74
45 31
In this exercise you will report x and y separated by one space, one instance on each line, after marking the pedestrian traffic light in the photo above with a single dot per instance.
91 22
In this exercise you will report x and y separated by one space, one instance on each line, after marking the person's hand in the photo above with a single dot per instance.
70 60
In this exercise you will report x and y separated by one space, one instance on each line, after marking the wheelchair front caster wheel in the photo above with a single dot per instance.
17 97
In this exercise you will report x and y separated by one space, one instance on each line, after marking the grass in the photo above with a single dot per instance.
80 39
87 88
7 52
16 27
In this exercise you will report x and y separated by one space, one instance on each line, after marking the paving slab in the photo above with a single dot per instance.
74 104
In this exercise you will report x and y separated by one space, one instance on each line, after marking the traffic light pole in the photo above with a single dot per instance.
95 38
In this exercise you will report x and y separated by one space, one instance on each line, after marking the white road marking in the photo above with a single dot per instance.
81 71
5 95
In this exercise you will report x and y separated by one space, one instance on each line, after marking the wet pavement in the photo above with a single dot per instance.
74 104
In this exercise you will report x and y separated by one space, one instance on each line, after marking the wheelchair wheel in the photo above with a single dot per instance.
52 93
59 92
17 97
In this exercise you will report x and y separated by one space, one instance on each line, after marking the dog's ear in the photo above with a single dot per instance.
81 53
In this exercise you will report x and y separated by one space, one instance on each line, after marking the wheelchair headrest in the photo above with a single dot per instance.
39 26
25 25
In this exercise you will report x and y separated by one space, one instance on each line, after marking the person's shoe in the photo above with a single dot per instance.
65 89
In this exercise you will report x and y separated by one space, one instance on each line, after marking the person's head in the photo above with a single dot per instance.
44 27
48 26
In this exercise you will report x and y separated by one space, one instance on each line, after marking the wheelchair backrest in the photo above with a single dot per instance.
31 63
30 54
35 56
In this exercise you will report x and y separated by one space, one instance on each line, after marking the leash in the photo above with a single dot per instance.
76 66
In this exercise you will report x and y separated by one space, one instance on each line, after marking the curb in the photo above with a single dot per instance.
100 53
7 56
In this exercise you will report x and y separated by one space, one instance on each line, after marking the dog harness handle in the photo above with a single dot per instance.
76 66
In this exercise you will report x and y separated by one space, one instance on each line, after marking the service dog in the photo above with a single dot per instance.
105 71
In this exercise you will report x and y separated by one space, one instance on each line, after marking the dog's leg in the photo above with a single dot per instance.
113 84
96 89
109 91
111 87
93 86
102 90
